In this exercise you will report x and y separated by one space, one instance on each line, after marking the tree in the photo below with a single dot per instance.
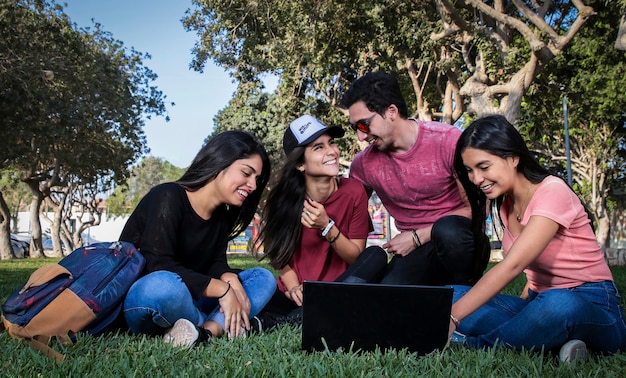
72 102
75 208
257 112
58 201
593 78
620 41
453 56
15 194
150 172
265 116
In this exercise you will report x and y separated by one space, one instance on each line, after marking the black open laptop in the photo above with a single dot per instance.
366 316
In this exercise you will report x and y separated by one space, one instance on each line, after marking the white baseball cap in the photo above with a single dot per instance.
305 130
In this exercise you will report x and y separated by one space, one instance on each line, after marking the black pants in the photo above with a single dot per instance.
368 267
449 258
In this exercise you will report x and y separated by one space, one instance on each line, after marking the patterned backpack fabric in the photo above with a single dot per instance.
84 292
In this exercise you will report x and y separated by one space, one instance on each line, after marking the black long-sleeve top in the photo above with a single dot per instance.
171 236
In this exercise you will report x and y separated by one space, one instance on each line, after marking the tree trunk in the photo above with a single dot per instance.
70 246
602 231
6 250
620 42
14 222
55 228
36 244
603 221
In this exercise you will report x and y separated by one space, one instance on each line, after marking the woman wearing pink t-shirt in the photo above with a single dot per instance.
570 300
314 224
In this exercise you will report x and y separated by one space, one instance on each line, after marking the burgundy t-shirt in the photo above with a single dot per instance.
315 259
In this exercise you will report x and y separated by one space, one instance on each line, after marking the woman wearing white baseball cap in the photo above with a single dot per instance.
314 224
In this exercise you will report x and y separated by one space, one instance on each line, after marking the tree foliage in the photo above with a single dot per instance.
255 111
15 194
73 102
592 76
149 172
450 56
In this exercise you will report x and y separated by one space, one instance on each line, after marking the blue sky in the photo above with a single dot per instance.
154 27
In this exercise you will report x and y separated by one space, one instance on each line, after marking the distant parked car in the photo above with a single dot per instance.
21 245
47 244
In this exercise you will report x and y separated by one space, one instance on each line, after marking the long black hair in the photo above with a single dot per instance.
281 230
218 154
497 136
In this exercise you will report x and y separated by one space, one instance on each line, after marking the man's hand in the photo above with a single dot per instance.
401 244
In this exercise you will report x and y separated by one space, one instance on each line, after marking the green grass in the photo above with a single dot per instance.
274 354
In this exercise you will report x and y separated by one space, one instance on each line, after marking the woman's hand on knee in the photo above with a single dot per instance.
296 294
232 310
244 302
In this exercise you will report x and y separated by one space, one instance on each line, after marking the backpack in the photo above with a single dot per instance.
83 292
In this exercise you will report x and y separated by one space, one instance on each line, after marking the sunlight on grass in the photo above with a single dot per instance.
272 354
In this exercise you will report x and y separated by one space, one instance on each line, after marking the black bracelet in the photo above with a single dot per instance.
226 292
331 241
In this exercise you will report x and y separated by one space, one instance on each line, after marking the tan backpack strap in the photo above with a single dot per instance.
41 344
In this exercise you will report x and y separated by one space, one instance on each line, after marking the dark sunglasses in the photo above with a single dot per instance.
363 125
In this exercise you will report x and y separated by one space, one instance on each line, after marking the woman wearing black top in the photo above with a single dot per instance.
182 229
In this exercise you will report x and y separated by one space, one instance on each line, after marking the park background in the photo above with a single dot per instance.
557 71
456 60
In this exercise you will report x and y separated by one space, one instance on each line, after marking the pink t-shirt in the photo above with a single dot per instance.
419 186
315 259
574 256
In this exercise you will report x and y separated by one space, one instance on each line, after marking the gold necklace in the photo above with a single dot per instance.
518 217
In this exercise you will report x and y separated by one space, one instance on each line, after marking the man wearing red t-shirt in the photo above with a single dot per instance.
410 165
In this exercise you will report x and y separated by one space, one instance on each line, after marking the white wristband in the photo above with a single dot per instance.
330 225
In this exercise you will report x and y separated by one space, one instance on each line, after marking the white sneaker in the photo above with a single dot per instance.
184 333
573 350
256 325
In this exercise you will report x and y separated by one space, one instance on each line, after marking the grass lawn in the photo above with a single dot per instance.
273 354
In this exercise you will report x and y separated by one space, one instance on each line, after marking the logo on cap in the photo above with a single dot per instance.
303 128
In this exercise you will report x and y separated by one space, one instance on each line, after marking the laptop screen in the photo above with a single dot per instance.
369 316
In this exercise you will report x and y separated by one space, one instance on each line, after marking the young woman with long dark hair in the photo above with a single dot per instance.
314 224
188 291
570 300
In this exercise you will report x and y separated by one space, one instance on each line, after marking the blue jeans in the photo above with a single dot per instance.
160 298
590 312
